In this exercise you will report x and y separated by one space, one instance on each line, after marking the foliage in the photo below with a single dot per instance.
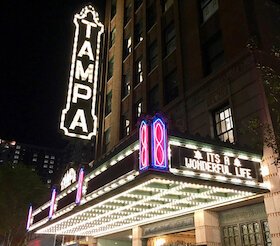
19 186
272 88
254 128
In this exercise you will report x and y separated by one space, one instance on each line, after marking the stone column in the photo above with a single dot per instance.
136 236
271 176
207 230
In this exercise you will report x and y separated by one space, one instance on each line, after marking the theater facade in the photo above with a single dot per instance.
181 177
159 189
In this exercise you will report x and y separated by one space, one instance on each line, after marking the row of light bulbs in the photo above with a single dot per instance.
139 215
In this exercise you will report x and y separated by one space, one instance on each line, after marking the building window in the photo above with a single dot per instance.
266 234
138 108
166 4
151 15
231 235
251 234
127 12
137 3
110 68
112 37
224 124
138 32
213 53
153 100
17 152
50 171
45 166
52 157
113 8
170 38
139 71
125 85
49 181
108 106
18 147
34 159
107 136
208 8
171 90
125 123
16 157
152 56
127 47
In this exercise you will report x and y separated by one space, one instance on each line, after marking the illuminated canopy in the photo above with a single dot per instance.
126 188
154 198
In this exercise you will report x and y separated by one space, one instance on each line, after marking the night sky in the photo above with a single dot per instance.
36 50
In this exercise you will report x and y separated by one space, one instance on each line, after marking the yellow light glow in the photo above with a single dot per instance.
264 171
160 242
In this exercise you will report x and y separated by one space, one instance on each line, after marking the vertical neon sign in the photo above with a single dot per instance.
80 186
159 144
79 118
153 144
52 205
29 217
144 146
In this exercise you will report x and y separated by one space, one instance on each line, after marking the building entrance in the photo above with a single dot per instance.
123 238
186 238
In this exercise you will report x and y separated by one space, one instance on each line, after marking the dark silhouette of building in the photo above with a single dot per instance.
46 162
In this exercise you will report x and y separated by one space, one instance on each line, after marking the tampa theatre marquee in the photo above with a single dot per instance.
79 118
151 177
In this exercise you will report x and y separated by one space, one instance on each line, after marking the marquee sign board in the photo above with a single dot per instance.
79 118
216 162
69 178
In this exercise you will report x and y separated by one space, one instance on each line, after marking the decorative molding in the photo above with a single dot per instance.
239 215
271 194
275 234
168 226
276 214
267 177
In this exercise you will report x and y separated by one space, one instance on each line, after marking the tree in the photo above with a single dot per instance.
272 89
19 186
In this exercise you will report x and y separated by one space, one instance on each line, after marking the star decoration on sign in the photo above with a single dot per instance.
237 162
198 155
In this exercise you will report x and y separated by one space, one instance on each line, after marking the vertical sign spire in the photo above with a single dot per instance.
29 218
52 203
79 193
78 118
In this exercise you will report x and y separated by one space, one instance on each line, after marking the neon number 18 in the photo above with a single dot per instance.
144 146
159 144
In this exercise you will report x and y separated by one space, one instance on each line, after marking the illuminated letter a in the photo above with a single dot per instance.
79 120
